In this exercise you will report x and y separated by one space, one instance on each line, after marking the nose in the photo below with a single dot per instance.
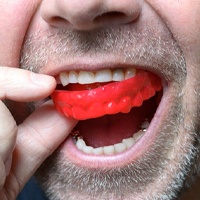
89 14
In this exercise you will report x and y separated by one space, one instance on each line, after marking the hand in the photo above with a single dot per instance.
23 148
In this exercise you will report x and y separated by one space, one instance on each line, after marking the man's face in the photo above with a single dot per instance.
54 36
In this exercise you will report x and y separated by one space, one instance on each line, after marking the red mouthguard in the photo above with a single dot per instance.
112 98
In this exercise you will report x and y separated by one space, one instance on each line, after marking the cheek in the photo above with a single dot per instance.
181 17
183 20
15 17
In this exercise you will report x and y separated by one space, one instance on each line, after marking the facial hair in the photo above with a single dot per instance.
160 173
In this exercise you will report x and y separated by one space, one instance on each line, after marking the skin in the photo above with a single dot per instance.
177 22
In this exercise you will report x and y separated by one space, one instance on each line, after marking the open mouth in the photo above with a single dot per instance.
115 108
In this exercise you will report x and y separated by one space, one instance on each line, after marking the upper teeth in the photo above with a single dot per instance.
87 77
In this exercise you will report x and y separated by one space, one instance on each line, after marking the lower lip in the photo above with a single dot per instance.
81 159
131 155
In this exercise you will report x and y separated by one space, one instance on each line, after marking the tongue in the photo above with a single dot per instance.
109 99
112 129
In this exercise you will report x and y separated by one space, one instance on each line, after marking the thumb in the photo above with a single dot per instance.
39 135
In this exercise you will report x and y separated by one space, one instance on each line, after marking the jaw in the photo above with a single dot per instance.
153 158
152 165
146 162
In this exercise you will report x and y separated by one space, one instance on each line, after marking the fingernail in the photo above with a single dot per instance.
41 79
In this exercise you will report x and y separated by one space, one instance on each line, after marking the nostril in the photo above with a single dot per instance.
110 16
55 21
105 18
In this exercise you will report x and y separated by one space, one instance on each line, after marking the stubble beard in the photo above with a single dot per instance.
163 171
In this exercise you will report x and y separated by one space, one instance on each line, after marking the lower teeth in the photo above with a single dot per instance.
112 149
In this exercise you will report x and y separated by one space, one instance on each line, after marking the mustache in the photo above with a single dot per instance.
142 47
